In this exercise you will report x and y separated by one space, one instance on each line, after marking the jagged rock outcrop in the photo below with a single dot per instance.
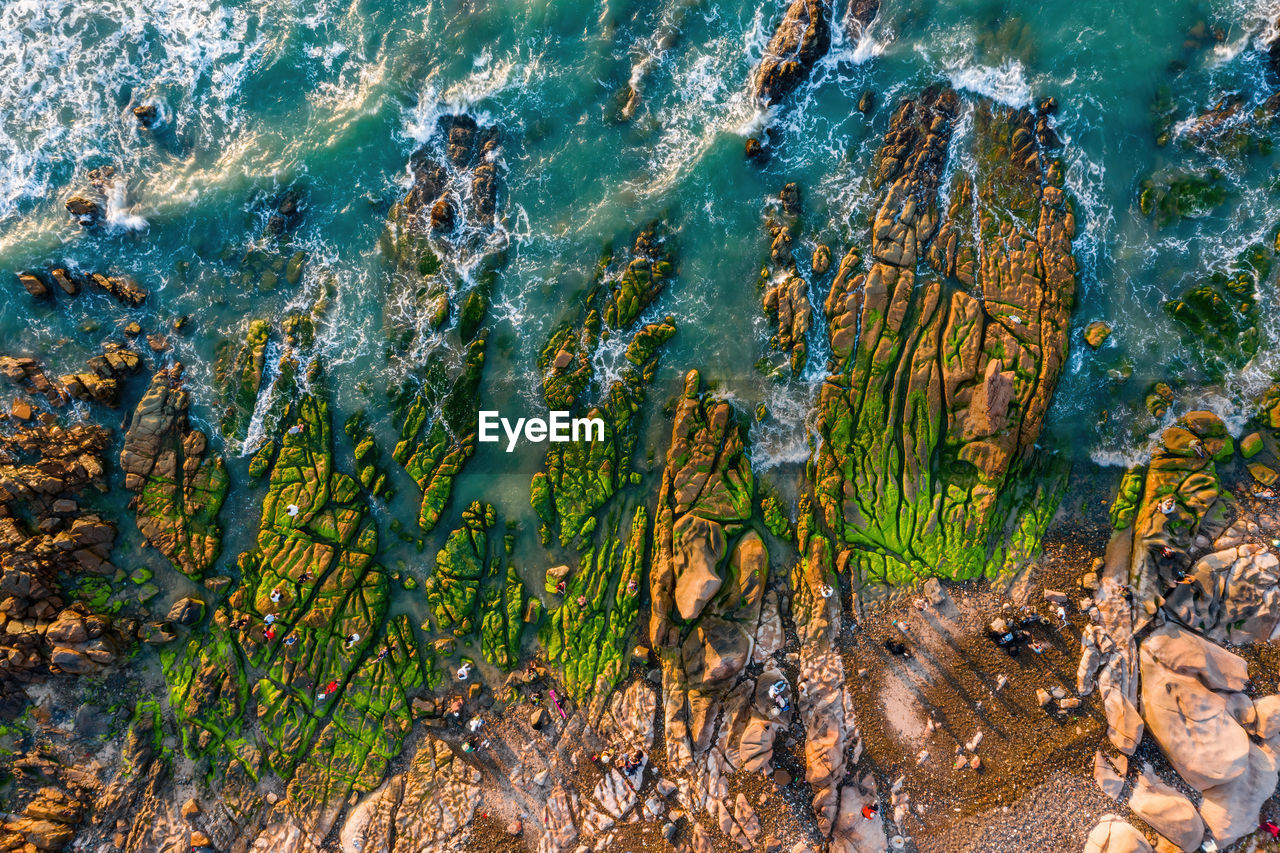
103 376
239 371
942 376
47 823
826 707
1179 574
1110 661
445 250
44 534
428 807
802 38
180 486
310 616
786 293
453 590
580 477
588 635
27 374
707 583
122 288
858 15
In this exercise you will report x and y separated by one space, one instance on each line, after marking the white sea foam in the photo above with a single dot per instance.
119 214
1006 84
64 75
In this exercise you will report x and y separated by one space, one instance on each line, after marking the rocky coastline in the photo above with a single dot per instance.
917 646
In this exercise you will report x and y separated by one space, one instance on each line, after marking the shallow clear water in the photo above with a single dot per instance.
331 97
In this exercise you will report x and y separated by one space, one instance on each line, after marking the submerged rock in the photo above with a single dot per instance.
582 476
447 222
1096 333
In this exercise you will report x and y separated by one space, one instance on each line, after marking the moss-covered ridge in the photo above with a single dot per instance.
453 589
1220 315
439 428
365 732
180 486
444 259
297 656
947 346
1166 504
474 586
581 476
588 635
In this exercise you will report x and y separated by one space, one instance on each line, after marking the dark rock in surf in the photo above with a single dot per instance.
147 115
34 286
86 211
462 137
287 214
858 15
443 215
790 196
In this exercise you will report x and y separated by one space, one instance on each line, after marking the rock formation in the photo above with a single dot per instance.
581 476
445 248
1178 580
103 377
942 373
179 486
45 536
786 293
802 38
332 703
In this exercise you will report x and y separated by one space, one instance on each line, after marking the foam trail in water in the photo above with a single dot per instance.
1006 84
119 214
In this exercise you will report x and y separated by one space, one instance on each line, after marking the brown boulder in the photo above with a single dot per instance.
1113 835
715 652
1167 810
1230 811
698 548
1185 685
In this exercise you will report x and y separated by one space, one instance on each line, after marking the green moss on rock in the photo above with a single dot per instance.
453 589
588 635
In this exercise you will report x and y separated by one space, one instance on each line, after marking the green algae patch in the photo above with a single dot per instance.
453 589
1220 317
180 485
588 635
282 655
581 477
439 430
367 729
367 456
929 421
239 371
